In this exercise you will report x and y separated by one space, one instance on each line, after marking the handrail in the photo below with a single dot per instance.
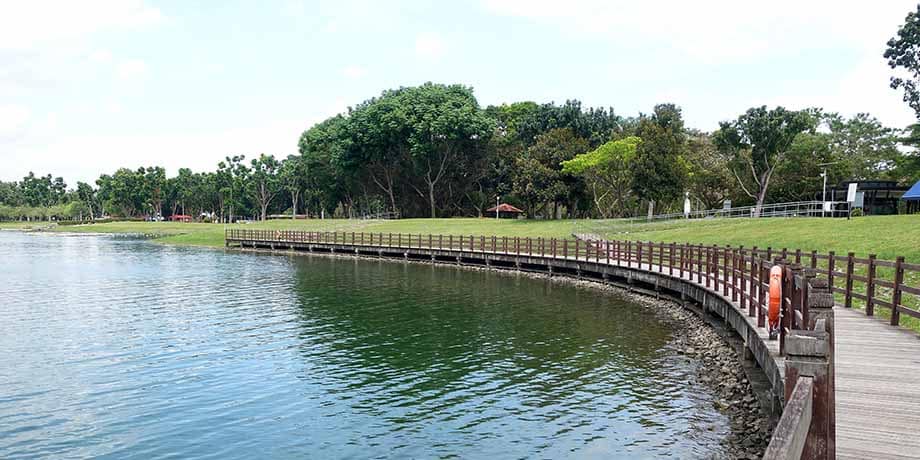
790 434
870 283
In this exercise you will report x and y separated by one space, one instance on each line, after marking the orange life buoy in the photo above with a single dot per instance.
776 294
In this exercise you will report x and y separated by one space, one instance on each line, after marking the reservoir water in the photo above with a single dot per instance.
117 348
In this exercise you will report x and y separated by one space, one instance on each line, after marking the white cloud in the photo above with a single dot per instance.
429 45
354 71
26 25
13 120
131 69
199 150
717 29
100 56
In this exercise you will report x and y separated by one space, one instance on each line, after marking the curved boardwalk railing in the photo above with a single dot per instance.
738 276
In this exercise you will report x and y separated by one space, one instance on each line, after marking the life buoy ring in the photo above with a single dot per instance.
776 296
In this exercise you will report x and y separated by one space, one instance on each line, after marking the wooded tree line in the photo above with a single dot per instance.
432 151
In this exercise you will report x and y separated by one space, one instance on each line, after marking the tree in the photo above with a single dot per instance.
659 172
758 141
608 170
864 147
37 190
904 52
154 183
378 132
231 179
87 195
446 126
293 178
330 161
263 181
538 176
709 179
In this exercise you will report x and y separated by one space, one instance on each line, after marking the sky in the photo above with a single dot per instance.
90 86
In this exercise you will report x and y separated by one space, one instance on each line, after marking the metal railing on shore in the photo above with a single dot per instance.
791 209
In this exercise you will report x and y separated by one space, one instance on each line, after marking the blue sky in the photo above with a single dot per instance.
90 86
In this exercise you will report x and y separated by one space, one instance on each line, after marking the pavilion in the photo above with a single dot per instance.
505 211
912 197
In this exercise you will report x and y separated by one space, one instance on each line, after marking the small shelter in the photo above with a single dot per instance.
504 211
180 218
912 197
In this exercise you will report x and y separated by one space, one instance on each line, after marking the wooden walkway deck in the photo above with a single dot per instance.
878 378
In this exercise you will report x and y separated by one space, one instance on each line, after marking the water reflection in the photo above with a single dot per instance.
132 349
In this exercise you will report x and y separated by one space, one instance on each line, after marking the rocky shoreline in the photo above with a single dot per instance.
720 368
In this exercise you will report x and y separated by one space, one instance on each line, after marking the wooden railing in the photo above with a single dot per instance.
739 272
740 275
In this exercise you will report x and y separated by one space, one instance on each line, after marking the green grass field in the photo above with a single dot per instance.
886 236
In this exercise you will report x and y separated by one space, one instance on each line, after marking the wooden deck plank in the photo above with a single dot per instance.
878 375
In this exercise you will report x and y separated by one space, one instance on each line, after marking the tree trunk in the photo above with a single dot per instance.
294 197
651 209
762 193
431 200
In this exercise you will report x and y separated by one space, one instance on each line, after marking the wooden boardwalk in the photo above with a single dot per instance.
878 378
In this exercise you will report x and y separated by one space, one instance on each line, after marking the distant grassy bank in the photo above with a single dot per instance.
886 236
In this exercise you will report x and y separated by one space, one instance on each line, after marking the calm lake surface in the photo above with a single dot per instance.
116 348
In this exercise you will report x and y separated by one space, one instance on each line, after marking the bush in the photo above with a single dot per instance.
856 212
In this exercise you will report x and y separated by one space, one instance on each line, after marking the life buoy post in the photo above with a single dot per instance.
776 298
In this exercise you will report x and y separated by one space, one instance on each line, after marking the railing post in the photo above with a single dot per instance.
848 295
683 261
896 295
671 258
737 269
639 254
830 271
822 437
761 319
699 264
870 287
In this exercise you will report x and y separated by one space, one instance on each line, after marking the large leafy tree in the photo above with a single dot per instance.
329 162
758 142
231 181
293 178
903 53
263 182
87 194
378 131
539 178
709 179
446 130
154 187
659 171
608 172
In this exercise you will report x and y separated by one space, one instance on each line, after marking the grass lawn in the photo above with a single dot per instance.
886 236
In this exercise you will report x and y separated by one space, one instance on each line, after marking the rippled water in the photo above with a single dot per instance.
128 349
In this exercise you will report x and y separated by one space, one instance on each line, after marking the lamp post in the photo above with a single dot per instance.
824 185
497 198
